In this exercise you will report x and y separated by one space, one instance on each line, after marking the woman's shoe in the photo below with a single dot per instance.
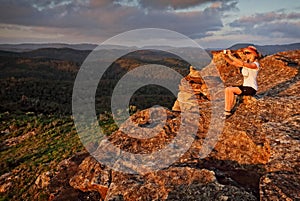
227 114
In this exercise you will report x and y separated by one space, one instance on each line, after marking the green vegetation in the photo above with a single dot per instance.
45 85
33 144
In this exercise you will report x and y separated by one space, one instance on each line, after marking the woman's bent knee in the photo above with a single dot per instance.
234 90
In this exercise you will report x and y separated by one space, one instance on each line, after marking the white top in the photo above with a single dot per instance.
250 76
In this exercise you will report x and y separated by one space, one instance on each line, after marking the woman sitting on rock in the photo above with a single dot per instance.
250 69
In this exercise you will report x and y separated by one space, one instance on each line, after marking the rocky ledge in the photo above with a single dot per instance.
256 156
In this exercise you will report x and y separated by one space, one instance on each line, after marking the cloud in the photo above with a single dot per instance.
225 6
18 33
263 18
105 18
186 23
173 4
272 24
279 30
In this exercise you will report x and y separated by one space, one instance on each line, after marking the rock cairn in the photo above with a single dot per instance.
192 89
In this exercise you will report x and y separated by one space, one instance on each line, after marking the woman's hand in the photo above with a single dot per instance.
229 58
229 54
225 53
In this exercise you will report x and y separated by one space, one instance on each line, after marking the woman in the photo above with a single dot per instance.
250 69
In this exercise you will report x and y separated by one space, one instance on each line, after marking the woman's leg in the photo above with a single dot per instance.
229 97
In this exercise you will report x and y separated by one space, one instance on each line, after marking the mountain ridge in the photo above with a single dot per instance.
27 47
23 47
268 49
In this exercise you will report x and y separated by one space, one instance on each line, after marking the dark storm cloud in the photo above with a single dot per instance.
186 23
92 18
111 17
195 24
39 13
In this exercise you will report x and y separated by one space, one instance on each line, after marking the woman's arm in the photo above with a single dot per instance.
238 62
251 65
232 60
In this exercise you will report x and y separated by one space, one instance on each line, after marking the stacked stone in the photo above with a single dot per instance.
192 91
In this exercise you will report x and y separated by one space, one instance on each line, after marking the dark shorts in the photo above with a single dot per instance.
247 91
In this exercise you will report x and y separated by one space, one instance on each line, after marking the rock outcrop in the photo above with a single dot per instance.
92 176
256 156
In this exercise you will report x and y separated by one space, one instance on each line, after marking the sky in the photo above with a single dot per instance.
211 23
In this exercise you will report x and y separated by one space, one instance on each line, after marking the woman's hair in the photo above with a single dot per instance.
254 50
